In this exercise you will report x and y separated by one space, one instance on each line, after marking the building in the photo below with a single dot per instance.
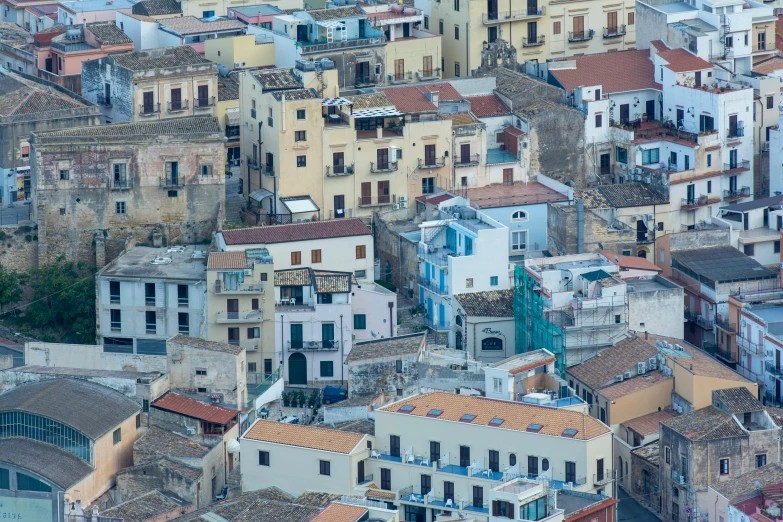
241 51
182 413
179 164
383 365
260 15
374 311
329 245
157 9
238 310
31 105
741 498
77 12
516 378
648 296
754 228
155 84
59 58
193 32
731 437
229 116
147 295
207 9
94 440
484 324
630 436
645 477
16 49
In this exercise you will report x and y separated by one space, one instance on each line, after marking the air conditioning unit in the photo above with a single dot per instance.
191 431
403 204
396 207
628 375
634 218
403 199
237 65
650 216
618 378
641 368
652 363
678 347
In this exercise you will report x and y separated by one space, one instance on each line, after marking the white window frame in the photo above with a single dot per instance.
514 217
515 246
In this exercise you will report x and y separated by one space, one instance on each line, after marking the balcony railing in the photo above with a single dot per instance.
580 36
366 79
238 317
437 325
429 74
104 100
204 103
255 287
743 165
773 370
614 32
380 168
600 479
736 132
405 77
369 201
433 286
253 163
533 42
729 195
120 184
718 351
333 171
748 345
149 109
177 106
502 16
267 170
700 320
469 159
696 202
317 346
342 44
365 479
726 326
172 181
432 163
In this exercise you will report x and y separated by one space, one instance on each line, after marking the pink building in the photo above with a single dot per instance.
260 15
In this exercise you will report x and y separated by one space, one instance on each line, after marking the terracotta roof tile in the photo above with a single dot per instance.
156 7
516 415
633 262
141 130
228 88
487 106
614 72
276 79
698 362
161 58
492 303
295 277
311 437
601 369
373 493
634 194
333 228
648 424
376 100
409 99
446 91
705 424
223 260
387 347
736 400
680 60
634 384
495 196
202 344
332 282
336 13
108 33
769 65
341 513
190 407
185 25
524 362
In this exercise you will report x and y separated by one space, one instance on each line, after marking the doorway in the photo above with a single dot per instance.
297 369
650 110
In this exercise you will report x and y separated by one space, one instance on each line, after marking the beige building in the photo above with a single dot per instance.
241 51
539 29
238 310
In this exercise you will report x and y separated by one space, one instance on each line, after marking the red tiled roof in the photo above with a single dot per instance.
638 263
486 106
494 196
514 131
681 60
296 232
341 513
436 199
615 72
195 408
659 45
446 90
409 99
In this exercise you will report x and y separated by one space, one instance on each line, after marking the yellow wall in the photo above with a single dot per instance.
704 386
634 405
240 49
412 51
161 87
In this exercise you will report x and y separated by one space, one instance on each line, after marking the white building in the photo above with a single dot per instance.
755 227
483 324
374 311
148 295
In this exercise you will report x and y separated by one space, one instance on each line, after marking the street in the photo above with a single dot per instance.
629 509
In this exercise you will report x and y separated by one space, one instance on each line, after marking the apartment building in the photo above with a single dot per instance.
439 452
741 498
79 12
754 228
240 51
151 85
148 295
238 310
539 30
16 48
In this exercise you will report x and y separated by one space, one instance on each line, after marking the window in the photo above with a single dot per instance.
724 466
119 208
25 151
201 371
519 215
748 249
117 436
182 295
497 384
427 185
456 69
631 18
300 114
65 174
138 420
617 319
706 123
535 510
426 484
761 460
493 281
770 102
254 332
532 466
114 292
519 240
426 22
398 365
556 28
172 194
709 187
296 258
263 458
315 256
570 471
456 5
325 467
301 161
151 320
709 160
385 479
650 156
621 155
28 483
456 32
300 136
492 343
359 322
116 320
468 282
440 27
776 246
361 251
145 405
667 455
327 368
598 121
183 321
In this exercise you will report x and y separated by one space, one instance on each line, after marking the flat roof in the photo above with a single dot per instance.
254 10
676 7
770 313
332 228
772 201
172 263
525 361
647 285
722 264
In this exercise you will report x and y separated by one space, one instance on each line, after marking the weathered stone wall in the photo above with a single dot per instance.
376 376
18 252
557 141
563 239
94 77
398 255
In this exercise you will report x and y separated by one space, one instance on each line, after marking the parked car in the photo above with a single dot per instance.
334 394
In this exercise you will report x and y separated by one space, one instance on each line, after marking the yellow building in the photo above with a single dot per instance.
204 8
239 312
538 29
228 115
240 51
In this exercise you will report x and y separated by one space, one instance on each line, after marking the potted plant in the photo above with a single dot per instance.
300 398
286 399
313 399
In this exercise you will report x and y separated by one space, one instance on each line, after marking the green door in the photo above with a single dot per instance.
297 369
327 335
296 336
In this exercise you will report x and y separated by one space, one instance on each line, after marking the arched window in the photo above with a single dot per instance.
44 429
642 254
544 464
512 460
492 343
519 215
459 320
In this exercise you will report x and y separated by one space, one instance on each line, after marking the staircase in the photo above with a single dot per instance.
235 202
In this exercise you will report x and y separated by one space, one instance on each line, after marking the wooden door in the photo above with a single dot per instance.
532 7
176 99
383 192
611 22
382 155
427 66
149 101
399 69
579 27
650 110
429 155
464 152
232 308
606 164
508 176
339 206
203 95
366 193
625 113
733 125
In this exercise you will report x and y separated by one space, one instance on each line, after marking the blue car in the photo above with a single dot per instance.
334 394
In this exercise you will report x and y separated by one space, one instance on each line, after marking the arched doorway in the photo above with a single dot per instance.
458 341
642 254
297 368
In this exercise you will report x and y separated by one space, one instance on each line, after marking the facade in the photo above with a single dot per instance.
182 413
630 436
240 51
16 49
193 32
754 228
655 305
483 324
201 9
148 295
76 12
374 312
22 115
383 365
179 164
156 84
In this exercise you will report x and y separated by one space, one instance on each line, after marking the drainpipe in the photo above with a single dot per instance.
342 348
580 226
391 323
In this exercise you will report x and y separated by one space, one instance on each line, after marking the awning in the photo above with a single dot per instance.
333 102
233 119
299 205
376 113
260 194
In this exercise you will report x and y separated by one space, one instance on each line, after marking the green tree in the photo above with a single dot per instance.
10 287
63 296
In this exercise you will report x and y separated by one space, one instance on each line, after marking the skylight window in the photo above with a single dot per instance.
434 413
467 418
570 433
535 428
496 422
406 408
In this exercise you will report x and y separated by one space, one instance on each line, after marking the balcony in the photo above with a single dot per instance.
432 163
267 170
364 480
309 47
504 16
467 161
336 171
149 109
177 106
749 346
313 346
253 316
405 77
737 165
437 325
169 181
380 201
614 32
433 286
726 326
365 80
735 132
336 120
533 42
382 168
252 288
121 184
104 100
775 371
700 320
719 352
204 103
762 47
599 479
694 203
580 36
253 163
732 195
429 74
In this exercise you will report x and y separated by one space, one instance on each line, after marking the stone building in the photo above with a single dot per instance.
385 365
574 229
645 476
157 182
